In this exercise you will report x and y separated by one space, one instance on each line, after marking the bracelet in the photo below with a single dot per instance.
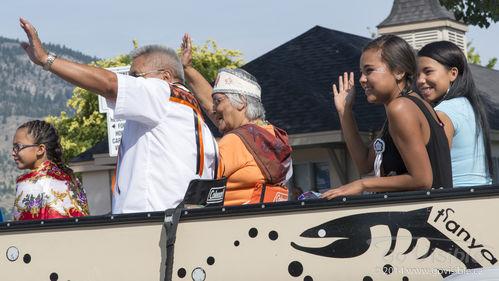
50 59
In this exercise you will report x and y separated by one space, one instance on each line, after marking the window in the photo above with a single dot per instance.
321 176
313 176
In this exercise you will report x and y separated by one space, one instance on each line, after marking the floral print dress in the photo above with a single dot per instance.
47 193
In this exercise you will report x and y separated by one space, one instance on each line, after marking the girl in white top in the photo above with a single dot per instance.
50 189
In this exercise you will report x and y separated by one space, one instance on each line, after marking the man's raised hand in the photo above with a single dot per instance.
34 48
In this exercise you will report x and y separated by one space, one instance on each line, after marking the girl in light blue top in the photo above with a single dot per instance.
444 79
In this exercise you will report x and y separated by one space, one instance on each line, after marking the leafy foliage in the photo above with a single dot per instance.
492 62
372 32
208 59
89 127
474 12
474 58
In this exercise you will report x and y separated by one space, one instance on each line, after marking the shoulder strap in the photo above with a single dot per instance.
199 144
180 94
172 217
424 109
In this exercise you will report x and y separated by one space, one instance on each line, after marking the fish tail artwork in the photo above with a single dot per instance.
354 233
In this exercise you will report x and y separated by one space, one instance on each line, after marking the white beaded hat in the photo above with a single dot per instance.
237 81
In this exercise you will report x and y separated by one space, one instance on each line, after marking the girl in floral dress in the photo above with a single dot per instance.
50 189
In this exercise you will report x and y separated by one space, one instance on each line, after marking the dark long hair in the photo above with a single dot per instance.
398 55
449 55
44 133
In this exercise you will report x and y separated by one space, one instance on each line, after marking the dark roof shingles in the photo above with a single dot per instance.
296 81
88 155
412 11
487 82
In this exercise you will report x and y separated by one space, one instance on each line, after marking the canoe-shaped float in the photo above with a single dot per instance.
403 236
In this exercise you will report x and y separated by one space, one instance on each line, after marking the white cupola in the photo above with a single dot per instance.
421 22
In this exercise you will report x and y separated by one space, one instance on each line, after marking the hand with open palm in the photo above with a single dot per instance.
186 51
34 47
344 95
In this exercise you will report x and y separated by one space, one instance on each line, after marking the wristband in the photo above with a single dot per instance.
50 59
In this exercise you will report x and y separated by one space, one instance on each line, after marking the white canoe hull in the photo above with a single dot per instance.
405 236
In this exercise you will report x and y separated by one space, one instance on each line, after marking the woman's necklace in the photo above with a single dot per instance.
261 123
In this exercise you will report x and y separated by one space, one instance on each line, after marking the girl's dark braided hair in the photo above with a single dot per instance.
44 133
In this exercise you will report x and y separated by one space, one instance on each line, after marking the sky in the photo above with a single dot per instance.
106 29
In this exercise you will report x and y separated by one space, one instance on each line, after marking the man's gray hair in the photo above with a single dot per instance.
164 57
254 107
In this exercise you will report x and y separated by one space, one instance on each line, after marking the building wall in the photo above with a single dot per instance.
306 158
314 167
97 180
310 163
422 33
97 185
99 195
418 39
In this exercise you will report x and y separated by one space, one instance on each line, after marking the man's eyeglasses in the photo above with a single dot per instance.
146 73
18 147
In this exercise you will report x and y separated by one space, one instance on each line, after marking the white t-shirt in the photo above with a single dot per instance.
158 154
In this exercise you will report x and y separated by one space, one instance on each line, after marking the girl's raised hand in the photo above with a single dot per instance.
344 95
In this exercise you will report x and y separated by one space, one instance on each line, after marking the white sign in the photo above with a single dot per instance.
114 131
114 126
118 70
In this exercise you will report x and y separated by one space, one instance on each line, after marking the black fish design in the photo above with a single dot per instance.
356 233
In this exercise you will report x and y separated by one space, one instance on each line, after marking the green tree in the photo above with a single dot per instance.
208 59
474 58
373 34
474 12
492 62
89 127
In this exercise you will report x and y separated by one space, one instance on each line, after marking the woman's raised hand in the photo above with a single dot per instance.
344 95
186 51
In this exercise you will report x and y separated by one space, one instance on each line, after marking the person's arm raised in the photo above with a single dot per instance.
344 96
197 83
407 134
94 79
